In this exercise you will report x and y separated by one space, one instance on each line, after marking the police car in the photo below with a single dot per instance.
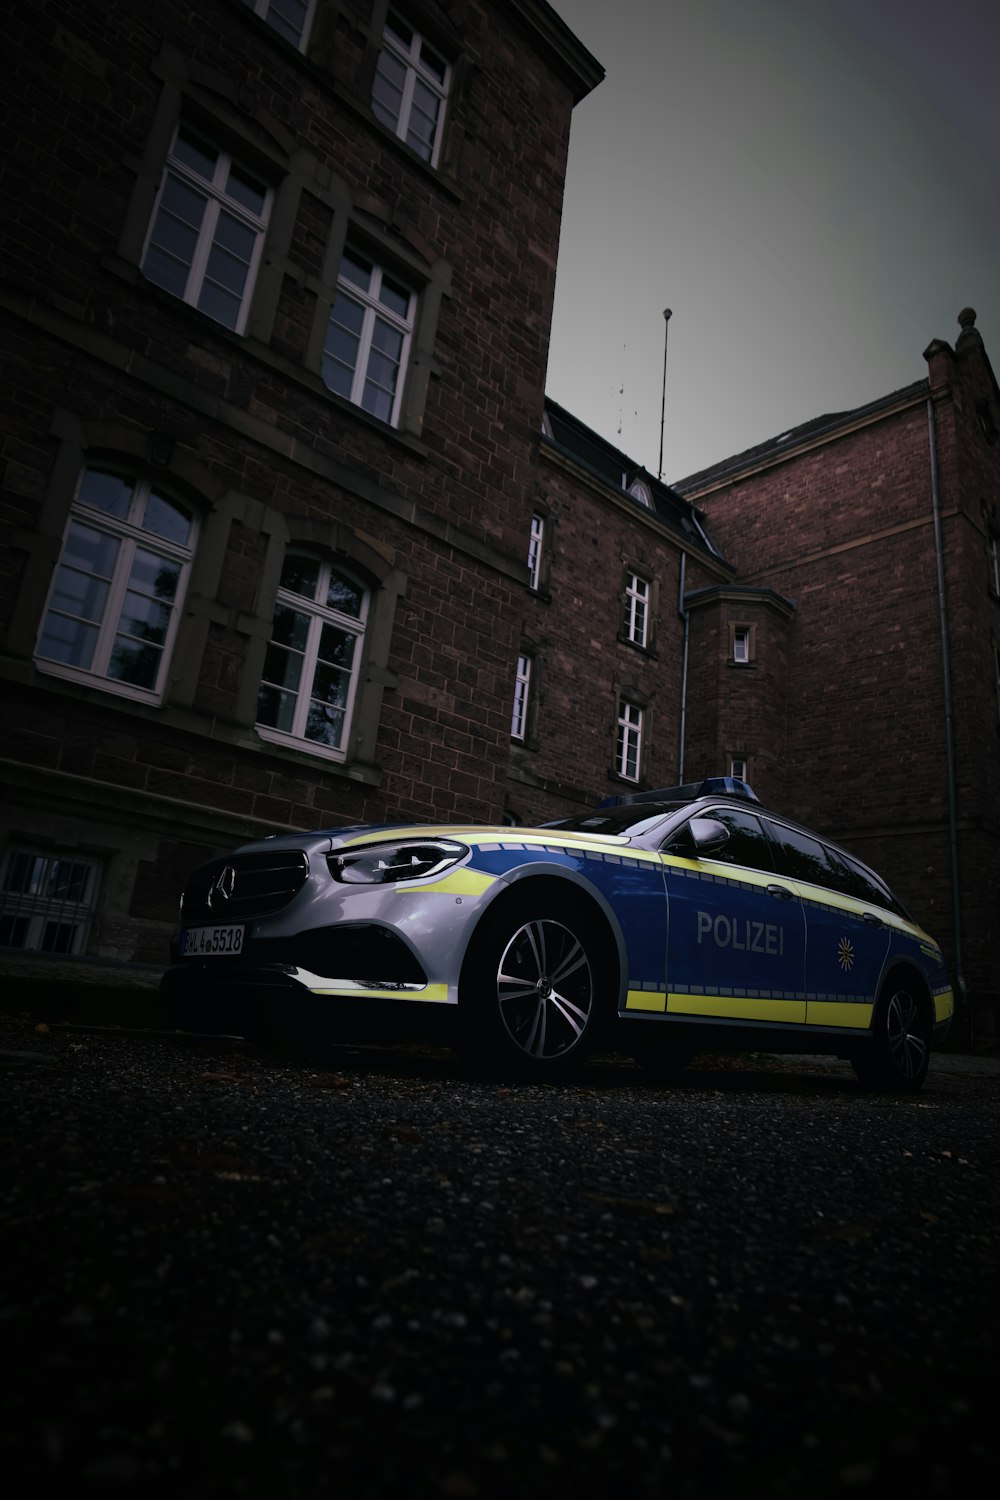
662 924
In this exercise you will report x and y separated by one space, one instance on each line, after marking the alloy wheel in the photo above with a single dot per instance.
545 989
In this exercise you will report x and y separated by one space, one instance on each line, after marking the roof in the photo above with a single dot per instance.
609 464
786 442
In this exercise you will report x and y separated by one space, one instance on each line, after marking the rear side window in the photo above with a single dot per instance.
801 857
854 880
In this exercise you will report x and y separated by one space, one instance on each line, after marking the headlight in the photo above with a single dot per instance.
384 864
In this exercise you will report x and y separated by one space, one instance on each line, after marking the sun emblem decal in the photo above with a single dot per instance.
845 954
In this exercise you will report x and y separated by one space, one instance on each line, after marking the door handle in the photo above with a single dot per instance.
781 891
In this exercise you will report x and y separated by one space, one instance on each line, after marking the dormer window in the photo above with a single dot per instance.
640 491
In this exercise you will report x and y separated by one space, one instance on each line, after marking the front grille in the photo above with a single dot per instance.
243 886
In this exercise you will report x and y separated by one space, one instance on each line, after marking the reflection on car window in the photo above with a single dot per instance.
747 843
617 820
801 857
860 883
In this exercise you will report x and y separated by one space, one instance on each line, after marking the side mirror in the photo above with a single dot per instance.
708 834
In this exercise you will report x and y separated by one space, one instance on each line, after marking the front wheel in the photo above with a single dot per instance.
896 1057
528 998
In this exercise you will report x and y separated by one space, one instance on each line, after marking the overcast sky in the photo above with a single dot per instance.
813 188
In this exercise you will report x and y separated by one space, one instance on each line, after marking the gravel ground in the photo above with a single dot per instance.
364 1276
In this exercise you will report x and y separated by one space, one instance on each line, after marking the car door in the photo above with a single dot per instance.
735 929
847 936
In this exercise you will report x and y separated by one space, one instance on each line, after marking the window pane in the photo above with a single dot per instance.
387 89
78 594
223 306
355 269
275 709
13 932
422 127
23 873
235 238
330 687
288 17
67 880
325 725
336 646
195 153
282 668
396 27
154 575
378 402
345 596
144 619
68 641
107 492
291 628
247 190
90 550
395 297
175 236
433 63
165 519
134 663
300 575
58 937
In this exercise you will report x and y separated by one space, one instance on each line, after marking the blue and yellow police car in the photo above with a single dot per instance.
663 924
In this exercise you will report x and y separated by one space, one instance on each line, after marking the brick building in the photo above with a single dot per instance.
869 704
278 283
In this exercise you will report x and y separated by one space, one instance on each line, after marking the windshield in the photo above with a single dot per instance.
629 820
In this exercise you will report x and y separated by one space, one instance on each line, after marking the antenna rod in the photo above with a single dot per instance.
663 403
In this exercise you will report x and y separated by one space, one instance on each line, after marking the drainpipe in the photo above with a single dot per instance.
949 717
686 617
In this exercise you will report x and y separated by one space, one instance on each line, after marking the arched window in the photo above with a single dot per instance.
312 664
115 600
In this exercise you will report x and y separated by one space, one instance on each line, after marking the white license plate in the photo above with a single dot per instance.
212 942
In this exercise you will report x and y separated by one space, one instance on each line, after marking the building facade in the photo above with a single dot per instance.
278 283
880 721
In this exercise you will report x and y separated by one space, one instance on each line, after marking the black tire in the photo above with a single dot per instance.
895 1058
529 994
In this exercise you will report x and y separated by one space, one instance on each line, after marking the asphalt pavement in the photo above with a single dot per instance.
362 1275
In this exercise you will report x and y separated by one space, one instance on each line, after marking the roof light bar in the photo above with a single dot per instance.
712 786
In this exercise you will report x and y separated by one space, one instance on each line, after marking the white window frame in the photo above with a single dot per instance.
410 56
993 553
536 542
318 615
217 202
271 12
373 312
38 909
628 749
738 765
637 592
131 535
522 691
741 644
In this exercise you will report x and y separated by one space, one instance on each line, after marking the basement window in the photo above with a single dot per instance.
47 901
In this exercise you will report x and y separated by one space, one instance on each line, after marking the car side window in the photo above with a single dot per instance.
799 856
857 882
747 844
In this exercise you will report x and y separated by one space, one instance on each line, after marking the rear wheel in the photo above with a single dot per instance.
896 1057
530 988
